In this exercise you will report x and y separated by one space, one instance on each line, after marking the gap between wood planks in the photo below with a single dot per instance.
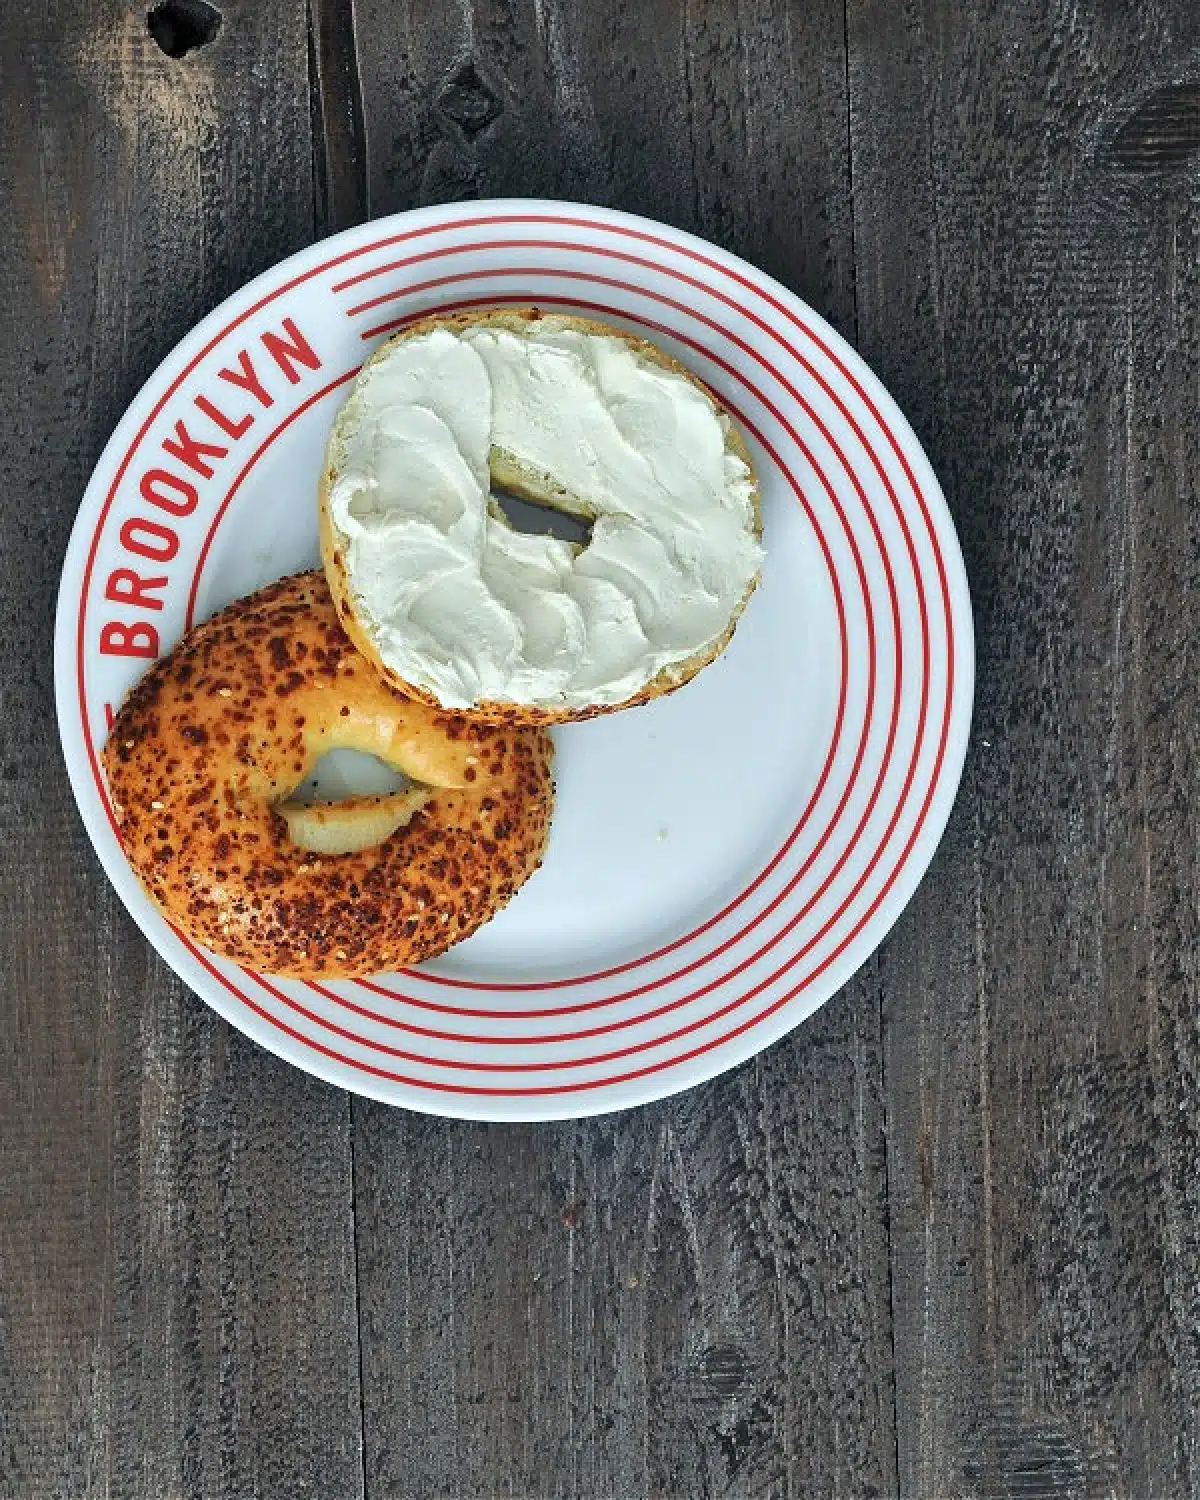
339 140
339 184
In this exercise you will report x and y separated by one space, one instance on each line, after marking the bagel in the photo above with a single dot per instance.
453 606
207 750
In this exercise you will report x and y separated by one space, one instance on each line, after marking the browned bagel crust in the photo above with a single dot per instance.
517 320
234 718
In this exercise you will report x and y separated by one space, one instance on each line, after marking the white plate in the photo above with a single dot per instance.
721 861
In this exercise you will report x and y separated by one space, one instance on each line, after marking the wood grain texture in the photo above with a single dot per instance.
721 118
338 138
685 1300
177 1308
1027 214
945 1241
691 1300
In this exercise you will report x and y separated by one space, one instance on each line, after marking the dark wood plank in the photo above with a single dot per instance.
727 120
686 1300
1027 217
692 1299
177 1311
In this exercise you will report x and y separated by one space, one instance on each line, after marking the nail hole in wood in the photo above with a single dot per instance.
180 26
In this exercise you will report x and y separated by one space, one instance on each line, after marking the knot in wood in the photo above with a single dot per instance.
469 101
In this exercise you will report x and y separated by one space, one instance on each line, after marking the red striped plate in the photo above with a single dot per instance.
721 861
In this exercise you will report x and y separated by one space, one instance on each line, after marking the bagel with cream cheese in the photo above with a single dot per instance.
450 603
207 750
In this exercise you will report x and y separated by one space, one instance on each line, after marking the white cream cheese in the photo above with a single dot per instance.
454 600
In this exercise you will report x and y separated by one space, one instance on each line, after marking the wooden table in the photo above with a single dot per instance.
944 1241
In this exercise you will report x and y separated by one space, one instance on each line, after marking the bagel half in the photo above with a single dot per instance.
508 472
209 747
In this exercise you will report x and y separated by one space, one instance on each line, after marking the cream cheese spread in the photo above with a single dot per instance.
458 603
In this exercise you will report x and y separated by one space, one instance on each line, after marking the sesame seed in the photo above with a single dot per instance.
157 806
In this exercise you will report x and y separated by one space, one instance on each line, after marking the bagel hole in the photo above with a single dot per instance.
541 520
340 774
